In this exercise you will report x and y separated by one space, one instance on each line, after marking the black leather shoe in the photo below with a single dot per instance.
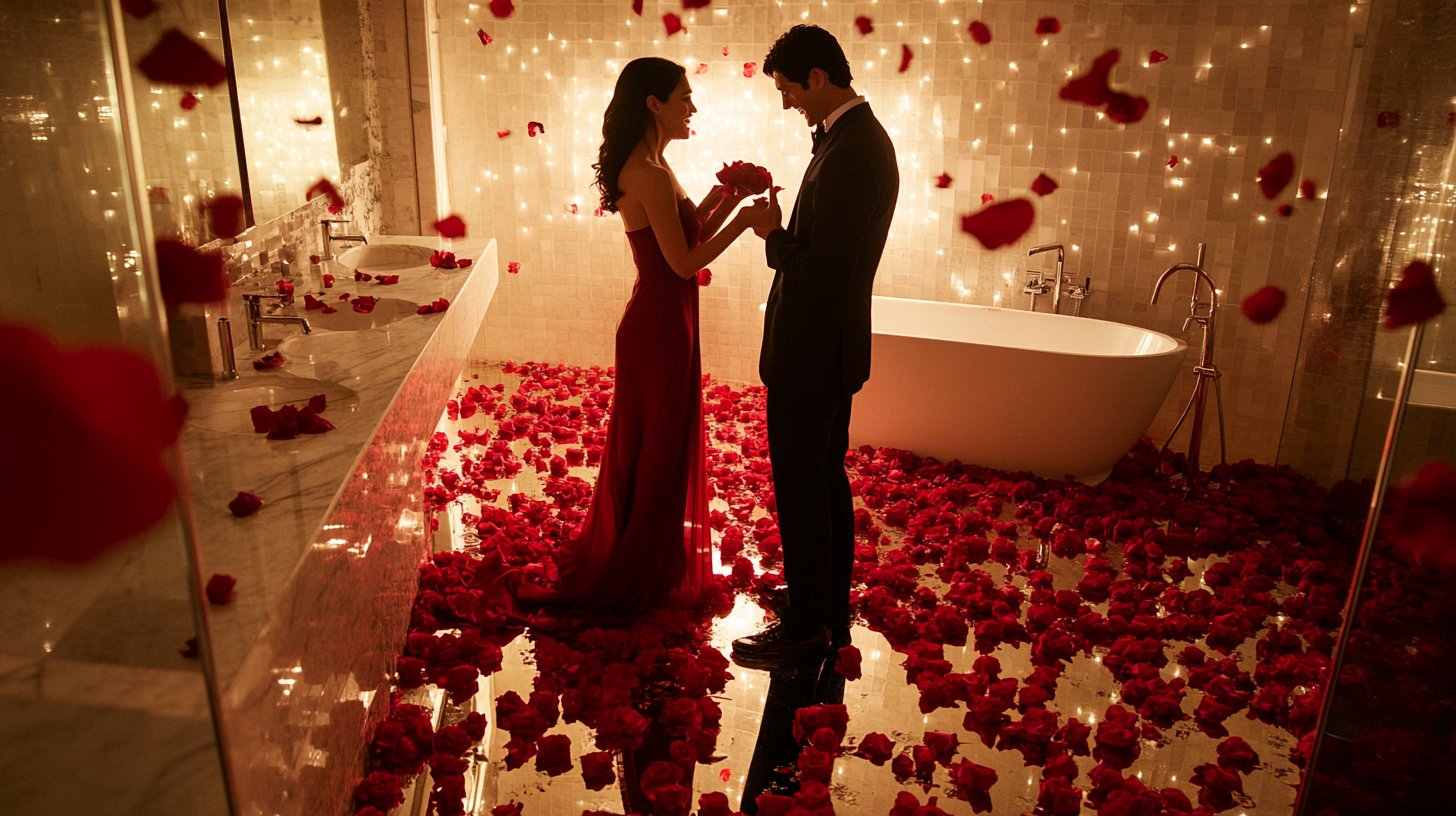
777 647
775 600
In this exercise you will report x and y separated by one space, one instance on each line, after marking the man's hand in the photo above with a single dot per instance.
765 216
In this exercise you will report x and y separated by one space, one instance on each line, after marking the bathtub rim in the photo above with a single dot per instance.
1180 346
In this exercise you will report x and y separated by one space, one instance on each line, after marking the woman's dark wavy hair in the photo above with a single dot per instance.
627 118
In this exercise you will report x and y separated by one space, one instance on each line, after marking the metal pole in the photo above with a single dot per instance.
232 83
1362 561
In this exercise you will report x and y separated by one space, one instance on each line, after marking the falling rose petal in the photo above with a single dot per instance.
326 188
672 23
1308 188
189 649
1387 118
987 198
1043 185
725 50
534 128
485 39
1091 88
943 180
177 60
225 216
980 32
317 120
502 8
220 588
514 267
696 4
189 276
189 101
905 56
244 504
336 208
749 69
1048 25
1414 299
1423 519
1126 109
1157 57
1264 305
1173 161
1275 175
864 24
1000 224
450 227
140 9
502 133
701 69
637 7
705 277
1285 210
101 405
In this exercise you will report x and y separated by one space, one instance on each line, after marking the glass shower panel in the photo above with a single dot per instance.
101 711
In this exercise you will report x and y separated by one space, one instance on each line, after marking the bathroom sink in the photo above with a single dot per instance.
386 311
385 257
225 406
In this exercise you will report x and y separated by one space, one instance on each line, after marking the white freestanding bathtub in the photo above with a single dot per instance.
1014 390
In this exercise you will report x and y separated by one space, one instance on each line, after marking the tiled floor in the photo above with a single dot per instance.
880 701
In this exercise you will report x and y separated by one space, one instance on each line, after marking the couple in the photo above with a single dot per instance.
647 532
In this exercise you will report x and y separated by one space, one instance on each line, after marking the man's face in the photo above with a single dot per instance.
796 97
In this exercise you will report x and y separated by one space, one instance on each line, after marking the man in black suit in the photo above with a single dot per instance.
816 336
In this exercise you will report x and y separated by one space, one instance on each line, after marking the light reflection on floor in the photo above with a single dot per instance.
880 701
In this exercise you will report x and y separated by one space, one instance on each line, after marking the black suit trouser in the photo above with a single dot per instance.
808 437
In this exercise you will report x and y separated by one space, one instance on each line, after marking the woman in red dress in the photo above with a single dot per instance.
647 532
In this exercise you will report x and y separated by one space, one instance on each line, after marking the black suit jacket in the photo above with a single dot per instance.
816 329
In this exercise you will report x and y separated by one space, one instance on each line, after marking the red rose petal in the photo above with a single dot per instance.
533 128
905 56
485 39
326 188
1173 161
220 588
1000 224
514 267
1276 174
1043 185
701 69
177 60
1157 57
189 649
1415 298
1387 118
987 198
1048 25
189 276
696 4
725 50
140 9
672 23
943 180
749 68
502 8
1285 210
317 120
225 216
1423 519
705 277
1091 88
503 133
244 504
980 32
1125 108
1264 305
1308 188
450 227
864 24
189 101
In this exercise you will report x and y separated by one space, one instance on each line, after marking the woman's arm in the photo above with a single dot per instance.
721 211
653 187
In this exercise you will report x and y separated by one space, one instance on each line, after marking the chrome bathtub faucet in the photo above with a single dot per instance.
1037 284
1204 371
1079 294
326 233
253 307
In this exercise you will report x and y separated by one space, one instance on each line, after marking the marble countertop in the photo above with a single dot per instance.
360 366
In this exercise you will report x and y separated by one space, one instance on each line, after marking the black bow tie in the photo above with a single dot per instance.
818 137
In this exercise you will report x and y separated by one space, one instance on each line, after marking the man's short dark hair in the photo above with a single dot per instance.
803 48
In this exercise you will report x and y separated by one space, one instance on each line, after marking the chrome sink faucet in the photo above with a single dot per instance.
1037 284
253 307
326 233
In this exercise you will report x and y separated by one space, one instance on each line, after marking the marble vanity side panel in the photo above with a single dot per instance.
304 697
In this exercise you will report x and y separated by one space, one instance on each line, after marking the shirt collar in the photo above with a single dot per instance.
839 111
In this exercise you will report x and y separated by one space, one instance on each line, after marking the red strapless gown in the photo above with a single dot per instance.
646 534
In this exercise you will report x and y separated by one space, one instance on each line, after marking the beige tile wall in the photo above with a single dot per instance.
988 115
